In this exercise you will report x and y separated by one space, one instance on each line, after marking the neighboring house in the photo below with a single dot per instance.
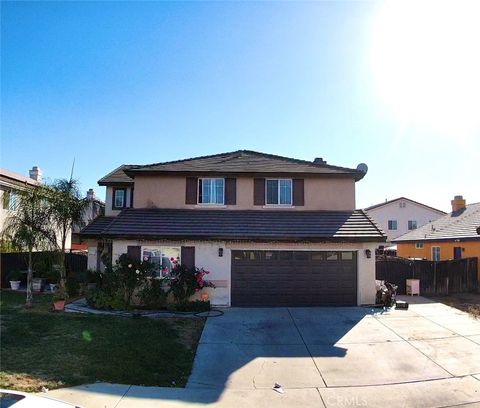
399 216
10 184
272 230
94 209
453 236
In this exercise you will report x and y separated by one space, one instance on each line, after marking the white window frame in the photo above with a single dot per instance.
436 251
115 191
419 245
396 225
412 221
278 192
202 179
161 249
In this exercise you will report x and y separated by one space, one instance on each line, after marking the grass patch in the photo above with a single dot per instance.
44 348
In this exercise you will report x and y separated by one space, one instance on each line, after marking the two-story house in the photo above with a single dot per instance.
454 236
10 185
401 215
272 231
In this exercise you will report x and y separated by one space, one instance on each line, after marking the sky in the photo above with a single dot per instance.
392 84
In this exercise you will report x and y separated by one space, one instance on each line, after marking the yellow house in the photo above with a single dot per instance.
453 236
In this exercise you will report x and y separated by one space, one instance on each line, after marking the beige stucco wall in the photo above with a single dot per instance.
169 192
109 199
206 256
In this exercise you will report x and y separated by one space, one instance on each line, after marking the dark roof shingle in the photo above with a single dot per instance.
245 161
277 225
117 176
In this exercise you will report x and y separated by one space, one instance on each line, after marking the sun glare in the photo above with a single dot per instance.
426 63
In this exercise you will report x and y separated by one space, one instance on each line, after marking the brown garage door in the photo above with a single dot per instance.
294 278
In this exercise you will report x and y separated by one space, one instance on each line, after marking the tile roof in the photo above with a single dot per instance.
98 225
245 161
19 179
270 225
117 176
461 224
372 207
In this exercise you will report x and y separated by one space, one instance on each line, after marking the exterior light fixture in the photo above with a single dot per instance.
368 253
220 252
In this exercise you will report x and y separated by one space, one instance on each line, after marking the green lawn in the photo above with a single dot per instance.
39 347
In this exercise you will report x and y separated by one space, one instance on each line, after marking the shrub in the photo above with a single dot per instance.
101 299
153 295
15 276
115 287
72 287
186 282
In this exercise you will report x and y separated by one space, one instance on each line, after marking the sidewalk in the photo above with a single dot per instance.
464 392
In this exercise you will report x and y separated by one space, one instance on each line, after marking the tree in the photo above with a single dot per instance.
67 209
28 227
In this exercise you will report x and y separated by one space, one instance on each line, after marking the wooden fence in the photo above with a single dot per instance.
436 278
76 264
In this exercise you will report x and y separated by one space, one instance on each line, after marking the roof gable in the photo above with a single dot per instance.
396 200
117 176
460 224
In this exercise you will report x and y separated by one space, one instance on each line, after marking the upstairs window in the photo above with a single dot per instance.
392 225
412 225
119 198
419 245
278 192
211 191
9 200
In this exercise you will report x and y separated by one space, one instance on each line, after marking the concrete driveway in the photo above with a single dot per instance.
428 356
334 349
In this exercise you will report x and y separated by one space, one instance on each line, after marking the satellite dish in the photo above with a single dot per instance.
362 167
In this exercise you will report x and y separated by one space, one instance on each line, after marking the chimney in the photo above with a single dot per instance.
36 173
458 203
319 160
90 194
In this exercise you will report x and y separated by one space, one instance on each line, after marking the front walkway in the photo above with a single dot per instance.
428 356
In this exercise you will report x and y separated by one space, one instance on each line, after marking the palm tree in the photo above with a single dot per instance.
67 209
28 227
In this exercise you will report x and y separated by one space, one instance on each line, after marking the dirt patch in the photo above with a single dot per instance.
467 302
26 382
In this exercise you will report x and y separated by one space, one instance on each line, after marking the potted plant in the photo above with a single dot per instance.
37 284
59 300
15 279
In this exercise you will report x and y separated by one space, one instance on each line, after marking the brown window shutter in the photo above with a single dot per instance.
298 192
191 190
259 191
230 191
188 256
134 251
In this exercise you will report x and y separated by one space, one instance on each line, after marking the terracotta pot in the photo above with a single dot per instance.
59 305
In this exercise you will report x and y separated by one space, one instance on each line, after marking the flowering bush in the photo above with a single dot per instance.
187 281
119 284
